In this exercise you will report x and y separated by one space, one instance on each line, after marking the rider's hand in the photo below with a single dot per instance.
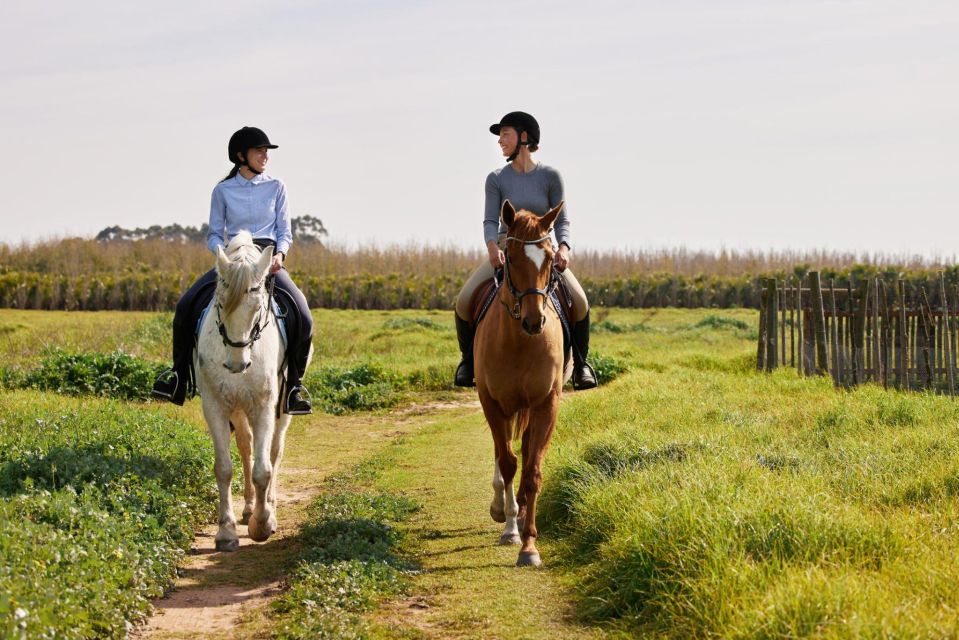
562 258
277 263
496 257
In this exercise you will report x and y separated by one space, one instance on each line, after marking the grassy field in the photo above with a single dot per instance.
690 497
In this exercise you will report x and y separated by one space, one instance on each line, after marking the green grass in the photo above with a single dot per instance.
714 501
349 560
98 502
689 497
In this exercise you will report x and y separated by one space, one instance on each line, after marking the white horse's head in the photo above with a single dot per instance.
241 297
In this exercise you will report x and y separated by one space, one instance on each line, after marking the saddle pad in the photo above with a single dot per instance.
482 299
278 316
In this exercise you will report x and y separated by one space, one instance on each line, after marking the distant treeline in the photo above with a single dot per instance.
151 274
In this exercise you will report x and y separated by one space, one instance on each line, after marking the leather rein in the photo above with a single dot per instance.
518 295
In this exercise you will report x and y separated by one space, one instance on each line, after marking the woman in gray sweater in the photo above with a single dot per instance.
536 188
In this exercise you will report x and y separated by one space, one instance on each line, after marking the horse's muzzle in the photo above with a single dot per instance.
234 369
534 328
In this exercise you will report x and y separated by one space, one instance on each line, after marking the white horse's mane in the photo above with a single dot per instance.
242 274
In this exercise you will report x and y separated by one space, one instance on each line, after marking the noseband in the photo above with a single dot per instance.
514 312
257 330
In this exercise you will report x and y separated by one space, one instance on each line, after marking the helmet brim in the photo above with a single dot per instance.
494 128
266 146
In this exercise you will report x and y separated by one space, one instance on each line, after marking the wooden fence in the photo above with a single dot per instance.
868 331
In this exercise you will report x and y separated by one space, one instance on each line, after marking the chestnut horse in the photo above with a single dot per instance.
518 356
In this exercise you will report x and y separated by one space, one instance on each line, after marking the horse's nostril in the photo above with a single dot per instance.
525 325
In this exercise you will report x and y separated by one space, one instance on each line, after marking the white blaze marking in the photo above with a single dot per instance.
536 254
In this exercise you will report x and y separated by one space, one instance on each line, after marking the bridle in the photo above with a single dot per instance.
257 329
518 295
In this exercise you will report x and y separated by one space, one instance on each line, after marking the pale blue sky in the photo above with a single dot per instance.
745 124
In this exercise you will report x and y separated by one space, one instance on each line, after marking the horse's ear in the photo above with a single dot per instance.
508 213
222 262
266 258
550 216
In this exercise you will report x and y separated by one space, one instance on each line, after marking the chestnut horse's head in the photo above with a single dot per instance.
529 263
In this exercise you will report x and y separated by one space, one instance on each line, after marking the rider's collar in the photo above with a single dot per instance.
260 177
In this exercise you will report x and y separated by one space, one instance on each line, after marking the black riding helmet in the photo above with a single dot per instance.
247 138
521 121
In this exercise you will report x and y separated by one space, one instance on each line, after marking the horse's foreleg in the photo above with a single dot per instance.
541 423
219 424
263 521
503 508
244 443
521 490
276 454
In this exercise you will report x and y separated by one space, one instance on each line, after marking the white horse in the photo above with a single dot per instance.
239 365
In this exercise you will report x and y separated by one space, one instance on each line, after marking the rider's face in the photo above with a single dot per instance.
257 158
508 140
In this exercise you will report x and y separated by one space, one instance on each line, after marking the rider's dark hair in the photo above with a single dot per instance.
235 170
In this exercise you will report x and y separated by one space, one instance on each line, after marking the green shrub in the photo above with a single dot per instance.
361 388
407 324
721 322
114 375
97 505
608 368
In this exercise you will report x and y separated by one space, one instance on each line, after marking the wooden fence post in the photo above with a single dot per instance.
834 336
761 348
772 330
819 324
902 342
799 327
947 335
859 334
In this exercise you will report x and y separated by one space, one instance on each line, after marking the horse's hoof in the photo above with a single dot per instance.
528 559
510 539
498 515
260 532
245 518
231 544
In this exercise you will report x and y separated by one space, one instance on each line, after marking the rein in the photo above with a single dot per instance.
514 311
257 330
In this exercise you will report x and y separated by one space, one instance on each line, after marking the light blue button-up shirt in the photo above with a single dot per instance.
257 205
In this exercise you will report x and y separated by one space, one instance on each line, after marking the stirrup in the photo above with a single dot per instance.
309 401
161 387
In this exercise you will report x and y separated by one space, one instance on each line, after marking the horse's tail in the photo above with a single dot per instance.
520 421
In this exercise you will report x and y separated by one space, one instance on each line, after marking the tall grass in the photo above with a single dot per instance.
75 274
711 501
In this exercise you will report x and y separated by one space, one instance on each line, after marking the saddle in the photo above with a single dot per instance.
485 295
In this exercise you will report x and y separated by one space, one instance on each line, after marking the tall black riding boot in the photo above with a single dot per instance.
464 371
298 398
583 375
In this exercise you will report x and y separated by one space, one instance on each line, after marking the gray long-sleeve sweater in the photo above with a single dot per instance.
537 191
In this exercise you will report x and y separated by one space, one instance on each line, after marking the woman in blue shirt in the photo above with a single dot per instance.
246 199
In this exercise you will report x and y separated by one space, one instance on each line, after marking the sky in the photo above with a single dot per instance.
741 124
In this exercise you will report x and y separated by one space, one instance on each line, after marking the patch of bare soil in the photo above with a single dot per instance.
216 589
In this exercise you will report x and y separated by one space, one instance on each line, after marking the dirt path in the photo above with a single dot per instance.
468 588
223 595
